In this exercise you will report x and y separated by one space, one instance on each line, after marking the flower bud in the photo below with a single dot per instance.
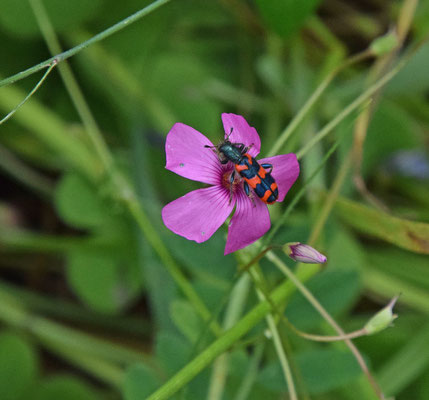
384 44
304 253
382 320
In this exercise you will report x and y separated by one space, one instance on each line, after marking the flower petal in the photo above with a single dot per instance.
187 156
250 221
242 132
285 171
198 214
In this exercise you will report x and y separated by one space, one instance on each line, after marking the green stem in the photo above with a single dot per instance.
102 35
256 275
71 85
34 90
233 312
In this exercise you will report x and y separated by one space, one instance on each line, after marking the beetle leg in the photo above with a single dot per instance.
231 184
246 188
248 192
267 166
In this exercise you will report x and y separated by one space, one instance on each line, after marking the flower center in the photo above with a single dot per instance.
226 181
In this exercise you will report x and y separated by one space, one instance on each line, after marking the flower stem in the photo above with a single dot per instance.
233 312
256 276
100 36
322 311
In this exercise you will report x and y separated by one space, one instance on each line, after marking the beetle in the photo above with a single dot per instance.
256 176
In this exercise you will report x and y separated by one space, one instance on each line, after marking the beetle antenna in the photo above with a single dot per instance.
232 128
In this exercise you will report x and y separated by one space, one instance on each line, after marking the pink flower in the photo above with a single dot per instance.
198 214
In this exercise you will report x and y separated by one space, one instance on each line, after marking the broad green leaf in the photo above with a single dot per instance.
78 202
286 16
172 351
18 366
404 233
326 369
106 281
402 264
140 382
17 17
322 370
64 387
186 319
336 290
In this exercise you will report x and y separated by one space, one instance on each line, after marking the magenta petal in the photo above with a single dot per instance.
285 171
242 132
250 221
187 156
198 214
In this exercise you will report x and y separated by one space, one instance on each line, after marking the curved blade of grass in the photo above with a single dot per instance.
404 233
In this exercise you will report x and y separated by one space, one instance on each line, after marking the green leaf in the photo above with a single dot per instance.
140 381
172 351
392 261
322 370
336 290
78 202
18 366
64 388
186 319
404 233
106 281
17 17
286 16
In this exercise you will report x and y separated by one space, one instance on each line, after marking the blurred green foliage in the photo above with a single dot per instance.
87 308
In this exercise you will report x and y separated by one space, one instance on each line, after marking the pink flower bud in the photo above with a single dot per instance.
304 253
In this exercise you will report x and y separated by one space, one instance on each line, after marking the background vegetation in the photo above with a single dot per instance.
98 300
